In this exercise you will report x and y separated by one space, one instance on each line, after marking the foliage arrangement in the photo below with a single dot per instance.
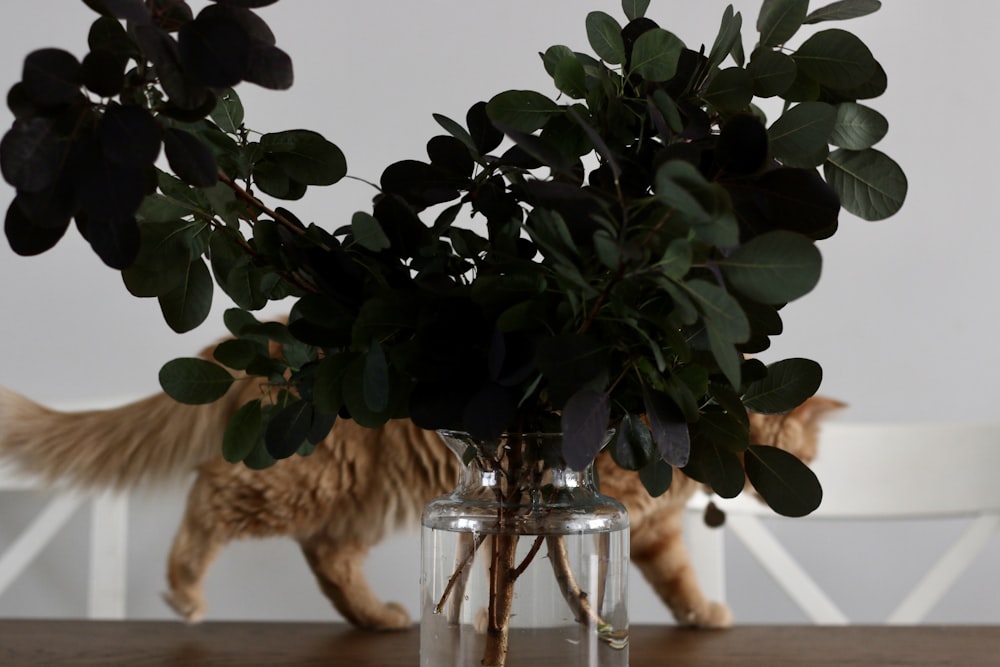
609 257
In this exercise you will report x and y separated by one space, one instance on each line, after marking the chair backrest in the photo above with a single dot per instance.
873 471
108 536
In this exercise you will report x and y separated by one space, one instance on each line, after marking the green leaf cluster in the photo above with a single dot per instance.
635 233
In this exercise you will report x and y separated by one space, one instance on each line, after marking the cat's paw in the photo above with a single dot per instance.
712 615
392 616
190 609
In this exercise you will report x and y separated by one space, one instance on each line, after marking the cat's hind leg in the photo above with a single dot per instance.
339 569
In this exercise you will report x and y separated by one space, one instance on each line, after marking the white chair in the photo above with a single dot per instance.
872 471
108 538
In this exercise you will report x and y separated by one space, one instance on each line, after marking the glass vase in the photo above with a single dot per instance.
524 560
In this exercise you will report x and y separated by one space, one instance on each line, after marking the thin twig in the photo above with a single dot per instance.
461 571
574 595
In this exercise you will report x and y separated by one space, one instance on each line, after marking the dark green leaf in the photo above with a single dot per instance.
724 430
788 383
718 467
721 311
484 135
605 36
355 399
321 426
329 382
305 156
194 381
238 353
368 232
570 77
633 448
726 40
656 477
376 379
228 112
726 355
272 179
800 137
162 264
287 428
676 260
730 90
843 10
635 8
457 131
488 412
858 127
773 72
242 432
655 55
666 106
780 19
870 183
774 268
787 485
835 58
523 110
187 305
702 205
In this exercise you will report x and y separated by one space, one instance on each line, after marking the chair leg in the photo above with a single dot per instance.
34 538
943 574
707 547
785 570
108 557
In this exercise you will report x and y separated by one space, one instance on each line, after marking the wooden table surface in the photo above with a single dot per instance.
48 643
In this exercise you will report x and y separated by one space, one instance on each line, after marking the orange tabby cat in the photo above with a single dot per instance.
357 487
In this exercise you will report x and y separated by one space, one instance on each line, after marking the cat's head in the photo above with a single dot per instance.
797 431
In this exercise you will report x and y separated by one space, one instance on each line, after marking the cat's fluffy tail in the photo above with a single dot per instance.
152 440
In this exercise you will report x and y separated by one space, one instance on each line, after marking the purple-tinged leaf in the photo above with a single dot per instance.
215 51
585 427
30 154
129 136
25 237
190 159
670 431
270 68
246 3
133 11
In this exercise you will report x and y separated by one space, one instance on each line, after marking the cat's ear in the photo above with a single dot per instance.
816 408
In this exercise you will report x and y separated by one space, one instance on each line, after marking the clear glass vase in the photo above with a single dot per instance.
524 560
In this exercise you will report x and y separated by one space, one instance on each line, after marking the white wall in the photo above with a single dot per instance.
904 320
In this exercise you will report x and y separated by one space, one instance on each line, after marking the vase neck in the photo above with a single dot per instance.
517 468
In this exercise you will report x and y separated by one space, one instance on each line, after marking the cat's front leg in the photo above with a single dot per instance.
339 570
658 550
